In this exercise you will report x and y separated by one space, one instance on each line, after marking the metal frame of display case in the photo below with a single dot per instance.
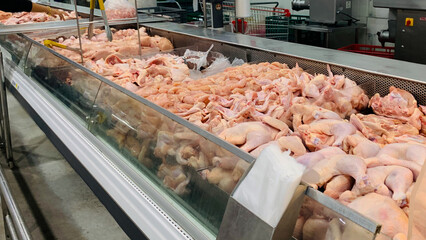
99 165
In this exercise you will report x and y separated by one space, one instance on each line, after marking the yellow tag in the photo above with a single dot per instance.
16 86
409 22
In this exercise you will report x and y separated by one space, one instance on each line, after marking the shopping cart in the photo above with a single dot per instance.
266 20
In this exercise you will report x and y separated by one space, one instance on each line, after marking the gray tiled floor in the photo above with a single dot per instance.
54 201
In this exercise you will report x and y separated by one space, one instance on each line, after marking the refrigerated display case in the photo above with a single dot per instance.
114 137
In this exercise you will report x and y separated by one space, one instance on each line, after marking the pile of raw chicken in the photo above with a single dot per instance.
368 162
120 13
124 44
8 18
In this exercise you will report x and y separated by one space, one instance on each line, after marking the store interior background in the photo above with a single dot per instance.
375 18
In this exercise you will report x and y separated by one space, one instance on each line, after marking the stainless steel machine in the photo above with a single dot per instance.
326 11
406 28
331 24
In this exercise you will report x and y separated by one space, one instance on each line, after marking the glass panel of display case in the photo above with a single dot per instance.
196 173
17 46
75 88
319 222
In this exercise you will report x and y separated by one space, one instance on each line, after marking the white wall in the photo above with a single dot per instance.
375 18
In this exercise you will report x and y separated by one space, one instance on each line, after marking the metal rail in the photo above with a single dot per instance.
15 225
78 31
5 125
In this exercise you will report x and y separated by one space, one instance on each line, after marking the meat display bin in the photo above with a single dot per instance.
86 115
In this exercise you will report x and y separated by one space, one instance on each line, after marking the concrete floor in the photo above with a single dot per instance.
54 201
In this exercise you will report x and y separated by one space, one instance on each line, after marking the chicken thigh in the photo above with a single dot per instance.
311 158
323 133
360 146
349 165
384 211
249 134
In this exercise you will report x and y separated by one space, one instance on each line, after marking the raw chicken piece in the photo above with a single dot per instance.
275 123
31 17
415 139
305 114
360 146
315 229
405 151
118 135
120 13
334 231
256 152
399 181
124 44
337 185
411 156
184 153
222 178
384 178
5 15
298 228
292 143
349 165
165 143
311 158
249 135
326 132
381 129
384 211
133 145
385 160
344 101
199 162
239 170
174 178
398 104
225 162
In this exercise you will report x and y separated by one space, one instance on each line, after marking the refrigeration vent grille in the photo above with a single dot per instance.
257 56
150 201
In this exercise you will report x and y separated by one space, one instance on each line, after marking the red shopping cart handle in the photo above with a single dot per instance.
240 30
287 13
